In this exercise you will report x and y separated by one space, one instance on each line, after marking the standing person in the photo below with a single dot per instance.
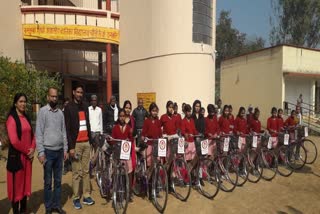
224 122
299 100
139 114
20 155
203 111
151 129
177 116
67 162
280 120
110 115
78 134
212 128
123 131
52 147
298 115
272 127
168 121
198 117
96 125
241 126
255 124
250 114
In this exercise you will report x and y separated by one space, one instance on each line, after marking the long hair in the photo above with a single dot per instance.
240 110
194 105
152 106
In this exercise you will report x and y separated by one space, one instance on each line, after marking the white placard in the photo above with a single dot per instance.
226 144
125 150
270 142
240 142
255 141
204 147
286 139
162 147
306 131
181 145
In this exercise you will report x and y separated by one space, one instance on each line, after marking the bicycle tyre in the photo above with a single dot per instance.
312 150
297 157
283 167
228 175
159 188
241 164
270 164
180 179
120 190
255 166
140 181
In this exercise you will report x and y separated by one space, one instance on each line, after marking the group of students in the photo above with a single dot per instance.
193 122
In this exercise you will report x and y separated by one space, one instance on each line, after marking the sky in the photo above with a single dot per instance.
249 16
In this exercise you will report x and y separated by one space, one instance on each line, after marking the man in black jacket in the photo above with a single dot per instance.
110 115
139 114
78 135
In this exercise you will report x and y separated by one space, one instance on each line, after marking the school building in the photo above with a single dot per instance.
167 48
274 76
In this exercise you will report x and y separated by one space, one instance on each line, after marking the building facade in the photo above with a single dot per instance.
167 49
272 77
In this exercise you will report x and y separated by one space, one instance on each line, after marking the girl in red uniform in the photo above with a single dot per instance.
212 128
231 118
280 120
188 129
151 129
255 124
272 126
224 122
241 126
129 119
123 131
177 115
290 123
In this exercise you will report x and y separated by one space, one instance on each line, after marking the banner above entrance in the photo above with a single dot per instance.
70 32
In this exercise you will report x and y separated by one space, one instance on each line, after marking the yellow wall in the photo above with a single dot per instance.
157 53
254 79
11 30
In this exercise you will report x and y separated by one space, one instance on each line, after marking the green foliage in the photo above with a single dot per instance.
295 22
17 77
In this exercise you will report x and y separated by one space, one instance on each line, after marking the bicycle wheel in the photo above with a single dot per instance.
140 180
241 164
255 166
283 167
207 174
159 188
120 190
180 179
297 157
312 151
269 164
102 175
228 175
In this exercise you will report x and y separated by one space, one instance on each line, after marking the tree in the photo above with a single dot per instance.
295 22
17 77
231 42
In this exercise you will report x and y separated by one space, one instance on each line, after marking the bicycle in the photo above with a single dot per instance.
269 158
206 173
254 158
228 175
159 179
239 159
283 154
179 172
121 150
309 145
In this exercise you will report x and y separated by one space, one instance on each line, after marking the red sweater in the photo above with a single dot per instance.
151 128
231 121
255 126
280 123
240 125
290 121
224 125
212 126
188 127
272 125
178 120
169 124
126 134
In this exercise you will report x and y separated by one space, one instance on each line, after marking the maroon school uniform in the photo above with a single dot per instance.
231 121
280 123
151 128
169 124
188 127
255 126
240 125
178 120
290 122
224 125
272 125
212 126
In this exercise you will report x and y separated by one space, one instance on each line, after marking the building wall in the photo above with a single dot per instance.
11 33
254 79
157 53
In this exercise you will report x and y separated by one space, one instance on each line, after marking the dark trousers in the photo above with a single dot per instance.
53 169
22 204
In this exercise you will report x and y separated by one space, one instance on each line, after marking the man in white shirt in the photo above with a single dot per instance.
96 123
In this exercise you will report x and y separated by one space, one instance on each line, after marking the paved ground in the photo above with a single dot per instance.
299 193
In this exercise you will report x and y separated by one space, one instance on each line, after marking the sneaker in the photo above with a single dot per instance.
77 205
88 201
201 182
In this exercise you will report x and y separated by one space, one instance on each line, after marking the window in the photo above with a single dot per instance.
202 21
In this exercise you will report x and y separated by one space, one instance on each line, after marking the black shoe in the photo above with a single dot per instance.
58 210
48 211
